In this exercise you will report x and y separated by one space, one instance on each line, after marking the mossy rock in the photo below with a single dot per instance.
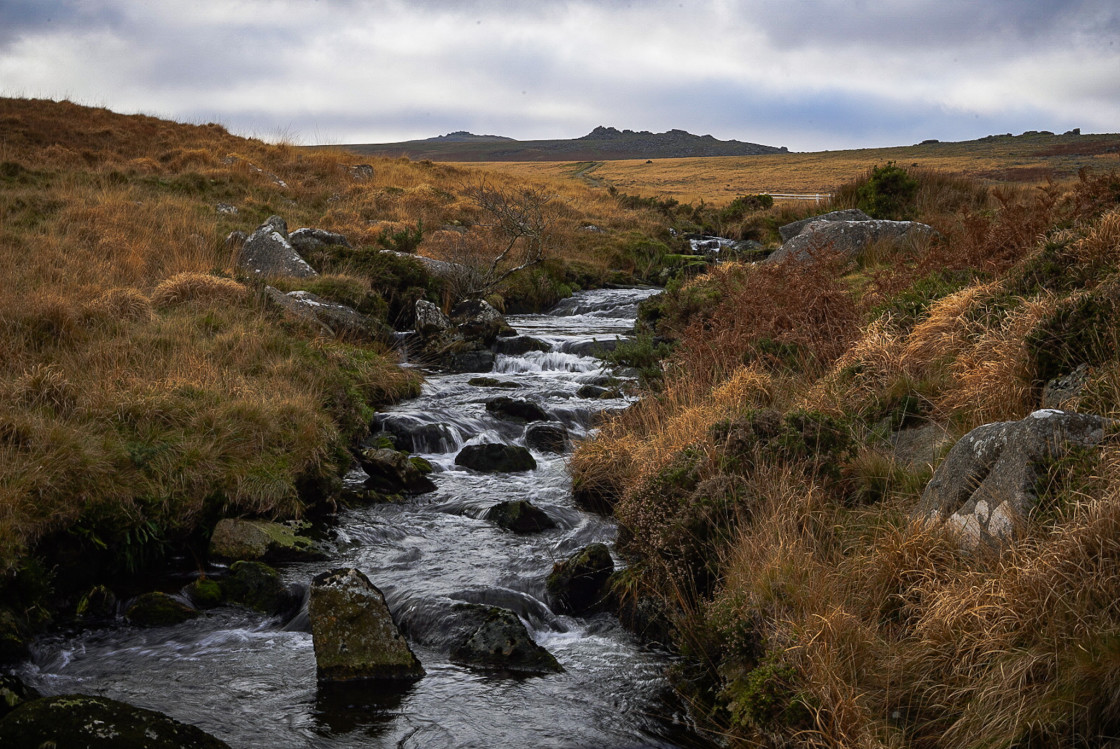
579 584
492 382
99 604
502 643
204 593
78 720
353 632
256 586
261 540
13 693
157 609
519 516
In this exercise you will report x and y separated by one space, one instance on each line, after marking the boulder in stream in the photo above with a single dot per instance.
516 409
353 632
257 586
80 720
519 516
501 642
579 584
158 609
494 457
547 437
391 472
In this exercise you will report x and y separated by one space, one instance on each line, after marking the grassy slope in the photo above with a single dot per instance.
145 390
760 502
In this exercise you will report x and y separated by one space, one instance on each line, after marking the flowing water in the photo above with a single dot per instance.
250 680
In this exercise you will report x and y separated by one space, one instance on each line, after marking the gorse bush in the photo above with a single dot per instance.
889 193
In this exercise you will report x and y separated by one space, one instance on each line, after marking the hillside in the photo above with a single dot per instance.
1000 160
602 143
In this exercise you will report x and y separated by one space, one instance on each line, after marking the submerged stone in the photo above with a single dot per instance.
78 720
547 438
353 632
516 409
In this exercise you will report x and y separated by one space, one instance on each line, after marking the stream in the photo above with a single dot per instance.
250 679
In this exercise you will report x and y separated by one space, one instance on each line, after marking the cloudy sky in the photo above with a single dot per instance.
807 74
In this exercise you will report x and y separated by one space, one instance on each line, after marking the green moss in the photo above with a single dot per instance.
1083 330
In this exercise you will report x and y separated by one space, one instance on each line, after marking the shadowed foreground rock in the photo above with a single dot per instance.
78 720
986 486
502 643
353 632
260 540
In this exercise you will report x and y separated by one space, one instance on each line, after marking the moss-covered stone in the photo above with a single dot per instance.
99 603
353 631
204 593
496 458
256 586
14 693
579 584
78 720
261 540
157 609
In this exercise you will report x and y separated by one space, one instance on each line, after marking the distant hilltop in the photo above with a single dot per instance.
601 144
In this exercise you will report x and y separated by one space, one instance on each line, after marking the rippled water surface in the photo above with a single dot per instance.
251 680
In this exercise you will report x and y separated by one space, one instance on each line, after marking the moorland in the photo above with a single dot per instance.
765 509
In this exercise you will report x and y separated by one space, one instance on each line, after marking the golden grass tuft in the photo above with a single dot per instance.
122 304
190 287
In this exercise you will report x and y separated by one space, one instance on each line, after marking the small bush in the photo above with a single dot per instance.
405 240
888 193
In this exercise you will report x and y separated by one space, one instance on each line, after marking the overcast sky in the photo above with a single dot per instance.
807 74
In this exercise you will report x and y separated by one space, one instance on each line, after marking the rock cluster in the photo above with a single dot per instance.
847 237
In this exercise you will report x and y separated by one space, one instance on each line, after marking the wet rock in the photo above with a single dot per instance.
476 319
519 345
98 604
847 238
430 320
467 360
234 539
579 584
257 586
598 393
492 382
204 593
13 693
267 252
791 230
594 348
353 632
986 486
391 472
547 437
78 720
495 458
519 516
516 409
502 643
158 609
